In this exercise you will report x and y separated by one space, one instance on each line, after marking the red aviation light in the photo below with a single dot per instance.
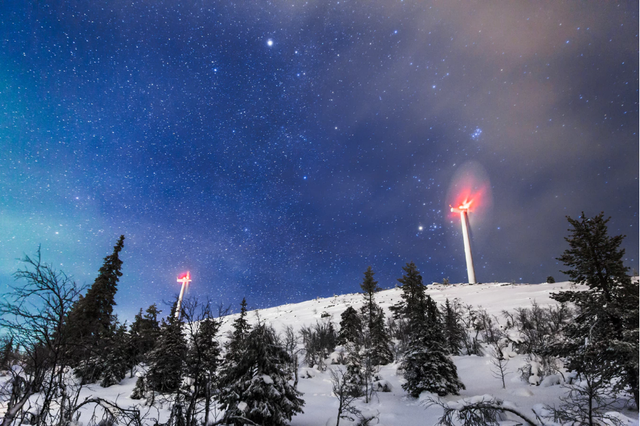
184 278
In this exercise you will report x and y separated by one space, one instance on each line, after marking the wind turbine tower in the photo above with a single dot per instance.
463 209
185 279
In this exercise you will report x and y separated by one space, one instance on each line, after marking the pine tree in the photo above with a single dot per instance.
203 359
90 319
426 365
380 348
369 288
376 338
605 332
143 333
413 295
115 360
167 359
357 371
241 329
454 332
257 386
350 327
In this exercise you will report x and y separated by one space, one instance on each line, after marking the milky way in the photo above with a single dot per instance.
277 149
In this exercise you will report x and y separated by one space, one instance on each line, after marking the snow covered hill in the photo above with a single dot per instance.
394 408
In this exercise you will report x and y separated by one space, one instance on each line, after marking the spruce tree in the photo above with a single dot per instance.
143 333
167 359
413 295
240 331
369 287
203 359
116 360
90 320
380 348
350 327
604 334
257 385
454 332
376 339
426 365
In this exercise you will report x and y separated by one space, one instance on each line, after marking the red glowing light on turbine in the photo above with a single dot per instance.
467 200
464 206
184 278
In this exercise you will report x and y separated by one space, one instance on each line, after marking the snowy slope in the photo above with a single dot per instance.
395 407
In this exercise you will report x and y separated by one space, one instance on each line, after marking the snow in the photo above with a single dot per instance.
394 407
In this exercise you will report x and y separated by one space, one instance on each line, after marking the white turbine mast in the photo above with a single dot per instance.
463 209
185 279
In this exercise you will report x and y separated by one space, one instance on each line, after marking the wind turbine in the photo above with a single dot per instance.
185 279
463 209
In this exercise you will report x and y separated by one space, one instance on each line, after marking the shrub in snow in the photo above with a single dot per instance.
319 341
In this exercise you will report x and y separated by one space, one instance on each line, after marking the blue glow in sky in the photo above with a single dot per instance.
277 150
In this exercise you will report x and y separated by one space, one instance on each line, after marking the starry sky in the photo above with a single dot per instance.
275 149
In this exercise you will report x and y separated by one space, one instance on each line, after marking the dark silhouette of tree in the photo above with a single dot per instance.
350 327
168 358
454 332
90 320
604 333
143 334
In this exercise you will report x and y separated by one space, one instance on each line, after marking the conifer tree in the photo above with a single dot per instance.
380 348
143 333
376 338
369 287
90 319
237 338
413 295
203 358
257 386
167 359
426 365
350 327
115 360
604 335
357 374
454 332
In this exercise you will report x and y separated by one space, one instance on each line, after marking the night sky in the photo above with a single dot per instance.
275 149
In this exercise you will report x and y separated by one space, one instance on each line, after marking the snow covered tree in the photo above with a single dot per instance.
412 305
89 321
319 341
454 332
257 386
604 333
350 327
167 359
426 365
240 331
376 340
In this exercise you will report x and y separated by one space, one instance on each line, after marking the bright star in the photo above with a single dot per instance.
269 42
